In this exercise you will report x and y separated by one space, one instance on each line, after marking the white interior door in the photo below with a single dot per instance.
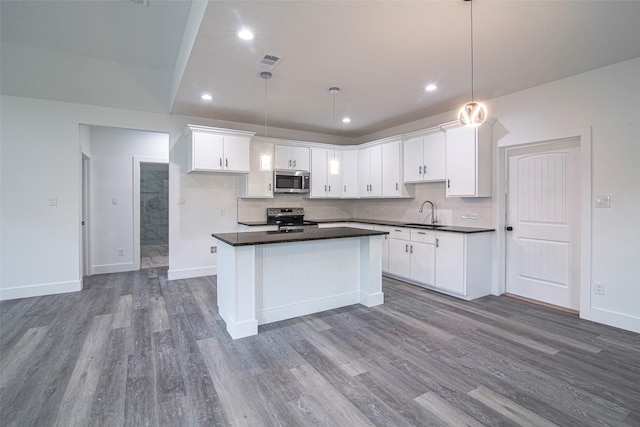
543 212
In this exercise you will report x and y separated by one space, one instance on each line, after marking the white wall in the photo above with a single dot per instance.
112 226
41 157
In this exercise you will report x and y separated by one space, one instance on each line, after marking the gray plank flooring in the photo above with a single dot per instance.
137 349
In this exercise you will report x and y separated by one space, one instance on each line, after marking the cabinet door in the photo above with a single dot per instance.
375 171
349 173
236 154
364 180
300 158
399 257
413 151
450 262
434 157
423 263
259 182
334 177
282 159
385 247
208 151
319 172
391 179
461 162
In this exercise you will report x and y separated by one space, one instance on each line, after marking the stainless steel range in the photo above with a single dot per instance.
288 219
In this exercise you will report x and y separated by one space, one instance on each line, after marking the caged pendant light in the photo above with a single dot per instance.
472 113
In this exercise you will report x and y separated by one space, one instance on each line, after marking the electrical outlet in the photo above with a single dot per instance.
598 288
115 201
181 201
473 216
53 201
214 249
120 251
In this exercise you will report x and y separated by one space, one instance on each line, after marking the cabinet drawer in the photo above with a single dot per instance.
423 236
400 233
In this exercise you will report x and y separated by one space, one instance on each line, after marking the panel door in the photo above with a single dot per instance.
300 158
364 169
207 151
450 262
236 154
423 263
319 172
434 157
460 153
399 261
391 179
375 170
413 151
349 173
543 249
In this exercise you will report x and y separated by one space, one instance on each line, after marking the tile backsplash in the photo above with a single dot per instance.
449 211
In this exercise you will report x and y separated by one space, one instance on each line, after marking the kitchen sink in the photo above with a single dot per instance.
415 224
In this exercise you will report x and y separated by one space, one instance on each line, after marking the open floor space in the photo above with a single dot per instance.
137 349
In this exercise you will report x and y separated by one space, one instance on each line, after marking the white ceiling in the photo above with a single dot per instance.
380 53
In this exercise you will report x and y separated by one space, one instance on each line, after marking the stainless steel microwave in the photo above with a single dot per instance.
293 182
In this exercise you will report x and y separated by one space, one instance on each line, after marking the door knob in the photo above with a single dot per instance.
509 228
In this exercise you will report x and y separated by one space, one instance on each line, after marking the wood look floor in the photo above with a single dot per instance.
136 349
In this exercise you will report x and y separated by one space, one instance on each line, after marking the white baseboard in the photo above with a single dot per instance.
242 329
611 318
188 273
275 314
371 300
112 268
40 289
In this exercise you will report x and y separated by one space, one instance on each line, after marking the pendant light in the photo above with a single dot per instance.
472 113
265 158
334 164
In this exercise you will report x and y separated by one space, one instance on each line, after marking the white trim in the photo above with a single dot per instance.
188 273
86 268
136 202
242 329
275 314
584 136
40 290
113 268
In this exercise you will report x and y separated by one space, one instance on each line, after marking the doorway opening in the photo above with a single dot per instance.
154 215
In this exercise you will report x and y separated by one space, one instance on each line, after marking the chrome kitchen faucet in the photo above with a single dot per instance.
433 211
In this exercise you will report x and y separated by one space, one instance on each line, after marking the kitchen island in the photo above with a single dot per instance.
265 276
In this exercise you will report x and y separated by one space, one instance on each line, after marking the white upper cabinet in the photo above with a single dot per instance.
370 171
289 157
424 158
260 177
349 173
392 183
468 161
326 166
216 150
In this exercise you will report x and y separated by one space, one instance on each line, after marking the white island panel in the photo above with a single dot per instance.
299 278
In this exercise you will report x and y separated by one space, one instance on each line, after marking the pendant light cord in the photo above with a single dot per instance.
334 118
472 97
265 108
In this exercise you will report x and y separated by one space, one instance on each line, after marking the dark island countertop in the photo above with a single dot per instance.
449 228
249 238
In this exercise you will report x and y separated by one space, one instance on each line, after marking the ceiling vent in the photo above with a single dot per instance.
268 62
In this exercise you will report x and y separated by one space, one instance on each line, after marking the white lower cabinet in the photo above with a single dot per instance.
457 264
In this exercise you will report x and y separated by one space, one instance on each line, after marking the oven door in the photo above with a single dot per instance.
291 182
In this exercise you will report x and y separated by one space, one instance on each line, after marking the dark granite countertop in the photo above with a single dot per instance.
449 228
249 238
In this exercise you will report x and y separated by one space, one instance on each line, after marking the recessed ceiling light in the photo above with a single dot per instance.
206 97
245 34
431 87
346 120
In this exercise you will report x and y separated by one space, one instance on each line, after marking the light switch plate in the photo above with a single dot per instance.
603 201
